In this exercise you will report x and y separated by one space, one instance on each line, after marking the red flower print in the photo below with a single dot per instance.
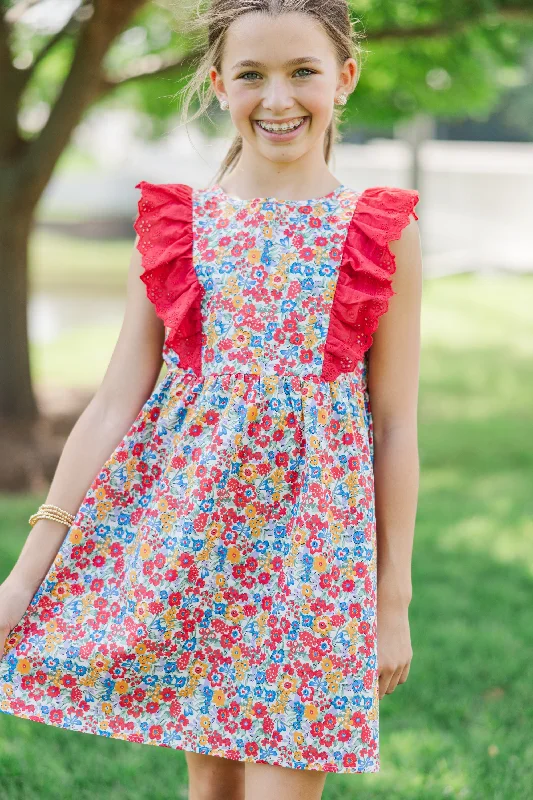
358 719
155 732
307 253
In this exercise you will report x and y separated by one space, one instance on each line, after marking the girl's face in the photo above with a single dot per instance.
281 69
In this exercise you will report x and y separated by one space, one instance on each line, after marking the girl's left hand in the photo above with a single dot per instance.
394 644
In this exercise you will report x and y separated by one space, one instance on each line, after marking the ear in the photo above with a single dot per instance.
217 83
347 76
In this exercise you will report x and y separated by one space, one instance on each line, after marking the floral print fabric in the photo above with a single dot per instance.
217 590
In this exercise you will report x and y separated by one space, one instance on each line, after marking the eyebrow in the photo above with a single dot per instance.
292 63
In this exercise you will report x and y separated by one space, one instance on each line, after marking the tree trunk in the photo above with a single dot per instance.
25 442
17 401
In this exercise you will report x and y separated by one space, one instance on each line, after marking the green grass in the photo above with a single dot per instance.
58 261
460 727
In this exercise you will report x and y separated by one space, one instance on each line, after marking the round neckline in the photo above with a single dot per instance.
301 201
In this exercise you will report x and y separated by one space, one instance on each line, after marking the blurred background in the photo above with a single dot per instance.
89 104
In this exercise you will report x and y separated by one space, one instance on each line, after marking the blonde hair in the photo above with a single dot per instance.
215 19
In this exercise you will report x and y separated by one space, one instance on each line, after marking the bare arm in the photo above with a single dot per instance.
127 384
393 386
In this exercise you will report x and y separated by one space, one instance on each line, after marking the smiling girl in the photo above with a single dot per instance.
235 581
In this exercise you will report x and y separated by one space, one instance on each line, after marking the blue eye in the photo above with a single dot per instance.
302 69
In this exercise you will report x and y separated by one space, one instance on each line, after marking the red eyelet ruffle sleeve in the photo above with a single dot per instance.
364 284
164 226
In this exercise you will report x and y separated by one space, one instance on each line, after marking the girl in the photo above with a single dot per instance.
220 582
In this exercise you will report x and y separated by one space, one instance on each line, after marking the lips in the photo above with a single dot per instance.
292 121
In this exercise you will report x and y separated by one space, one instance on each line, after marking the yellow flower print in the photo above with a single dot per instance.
326 664
140 648
219 697
145 551
241 668
162 504
311 711
248 472
218 597
220 580
254 255
334 680
198 669
205 722
257 524
167 521
75 536
61 590
322 416
103 509
107 708
233 555
307 590
234 613
277 280
252 413
100 663
236 652
121 687
322 624
146 661
298 737
320 563
241 337
287 684
214 530
23 666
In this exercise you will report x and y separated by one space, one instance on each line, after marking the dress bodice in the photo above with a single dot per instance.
270 287
268 270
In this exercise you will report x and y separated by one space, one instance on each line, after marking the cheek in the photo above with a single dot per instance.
243 101
316 98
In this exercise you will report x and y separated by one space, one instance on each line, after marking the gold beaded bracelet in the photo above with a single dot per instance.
49 511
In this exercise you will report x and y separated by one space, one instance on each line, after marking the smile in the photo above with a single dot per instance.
283 127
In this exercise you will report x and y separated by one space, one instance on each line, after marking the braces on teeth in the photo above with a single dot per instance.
284 127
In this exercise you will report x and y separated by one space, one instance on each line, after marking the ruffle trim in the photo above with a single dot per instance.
164 226
364 284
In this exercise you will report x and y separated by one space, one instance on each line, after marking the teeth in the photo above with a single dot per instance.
286 126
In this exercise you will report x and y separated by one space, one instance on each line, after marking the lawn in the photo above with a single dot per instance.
460 726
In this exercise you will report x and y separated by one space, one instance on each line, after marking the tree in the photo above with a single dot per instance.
431 56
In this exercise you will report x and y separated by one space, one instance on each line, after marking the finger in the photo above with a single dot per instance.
3 640
405 673
384 680
394 680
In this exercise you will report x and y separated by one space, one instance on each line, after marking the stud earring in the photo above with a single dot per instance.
224 105
341 99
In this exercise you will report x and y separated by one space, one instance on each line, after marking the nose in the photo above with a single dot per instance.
278 96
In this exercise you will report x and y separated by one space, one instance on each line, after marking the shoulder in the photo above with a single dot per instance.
409 238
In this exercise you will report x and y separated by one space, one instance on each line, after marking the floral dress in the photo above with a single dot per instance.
216 592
